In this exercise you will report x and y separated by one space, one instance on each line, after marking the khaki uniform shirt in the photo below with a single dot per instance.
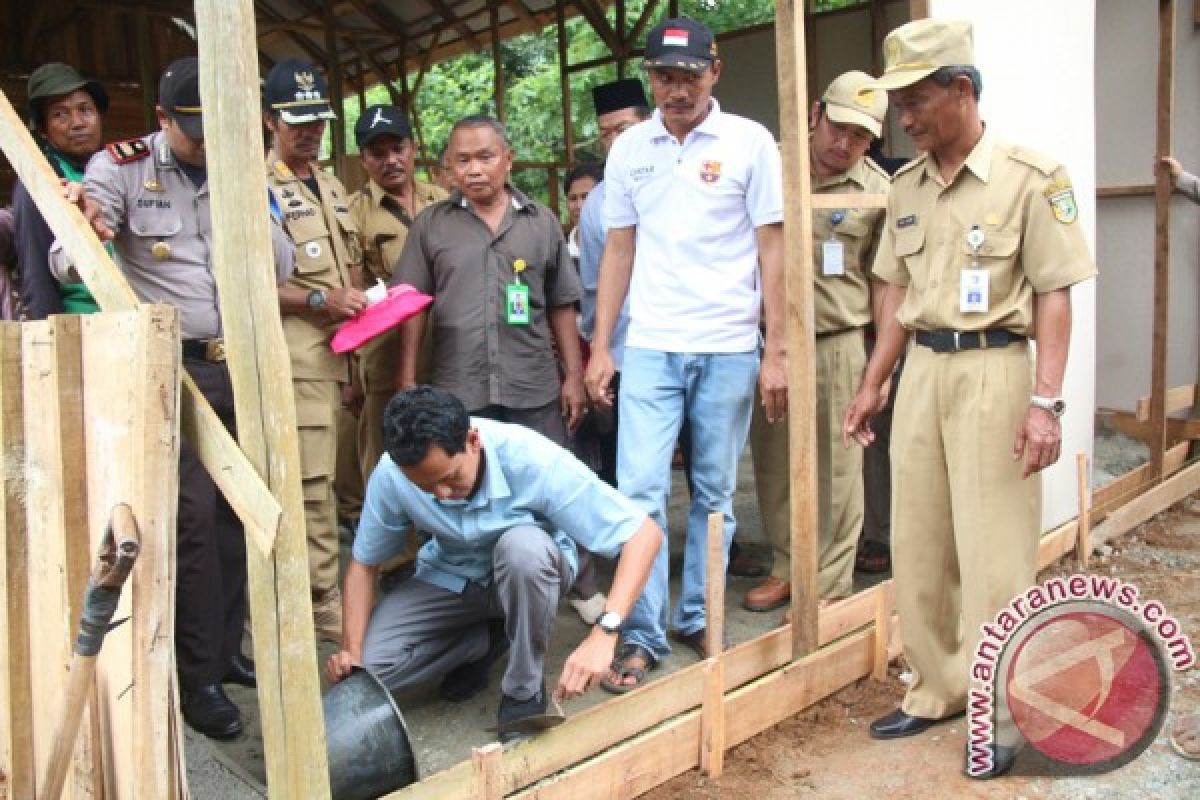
1022 202
384 227
327 248
164 233
452 254
844 301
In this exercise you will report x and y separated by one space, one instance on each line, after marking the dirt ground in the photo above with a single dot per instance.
825 751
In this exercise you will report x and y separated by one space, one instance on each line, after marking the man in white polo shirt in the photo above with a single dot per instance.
695 209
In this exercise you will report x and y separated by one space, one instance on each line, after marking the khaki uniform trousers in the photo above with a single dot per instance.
965 525
317 406
840 359
348 484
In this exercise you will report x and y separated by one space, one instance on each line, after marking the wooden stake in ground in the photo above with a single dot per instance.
712 717
1162 236
118 551
1083 546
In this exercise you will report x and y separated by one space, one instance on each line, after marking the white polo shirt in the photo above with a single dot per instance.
695 285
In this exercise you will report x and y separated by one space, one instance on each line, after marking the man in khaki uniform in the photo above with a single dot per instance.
980 250
321 293
842 125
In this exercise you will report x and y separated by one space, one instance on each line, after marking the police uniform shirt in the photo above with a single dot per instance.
1024 206
383 225
844 301
164 232
452 254
327 248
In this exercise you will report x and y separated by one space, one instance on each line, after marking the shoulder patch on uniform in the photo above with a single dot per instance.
128 151
1043 164
1061 197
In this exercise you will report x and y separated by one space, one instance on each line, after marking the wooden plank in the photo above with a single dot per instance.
1083 524
1161 497
1180 398
16 718
134 453
656 756
1162 236
625 716
107 284
485 763
1139 190
848 200
712 719
714 584
497 60
564 81
798 258
279 592
885 607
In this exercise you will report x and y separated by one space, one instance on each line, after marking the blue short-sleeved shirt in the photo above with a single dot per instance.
528 480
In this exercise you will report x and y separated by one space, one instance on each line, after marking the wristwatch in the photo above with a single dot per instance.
610 622
316 299
1055 405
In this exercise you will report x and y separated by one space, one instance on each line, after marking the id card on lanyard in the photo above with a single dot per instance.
516 297
833 252
973 289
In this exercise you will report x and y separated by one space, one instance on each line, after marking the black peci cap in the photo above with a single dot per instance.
617 95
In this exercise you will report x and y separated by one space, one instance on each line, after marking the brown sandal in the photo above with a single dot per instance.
621 666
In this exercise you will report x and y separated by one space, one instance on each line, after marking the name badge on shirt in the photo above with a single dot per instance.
516 297
973 291
833 258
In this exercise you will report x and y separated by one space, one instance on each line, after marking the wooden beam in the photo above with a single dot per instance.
520 11
1082 551
333 65
468 36
16 709
486 763
1147 504
599 23
1162 235
1125 487
259 368
798 256
564 81
497 60
622 37
848 200
1179 398
1139 190
918 9
643 20
885 609
712 717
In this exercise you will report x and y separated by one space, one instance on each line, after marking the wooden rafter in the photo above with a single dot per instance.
599 23
453 21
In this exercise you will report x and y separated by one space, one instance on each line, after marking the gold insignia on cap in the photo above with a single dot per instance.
161 250
152 186
305 81
864 98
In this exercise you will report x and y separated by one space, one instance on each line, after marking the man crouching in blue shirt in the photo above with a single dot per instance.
505 507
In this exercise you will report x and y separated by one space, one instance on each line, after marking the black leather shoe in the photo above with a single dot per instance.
210 712
1003 759
518 718
897 725
241 672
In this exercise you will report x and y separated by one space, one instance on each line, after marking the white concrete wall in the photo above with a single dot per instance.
1038 89
1126 72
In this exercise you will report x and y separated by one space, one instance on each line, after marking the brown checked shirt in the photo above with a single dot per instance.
452 254
1024 205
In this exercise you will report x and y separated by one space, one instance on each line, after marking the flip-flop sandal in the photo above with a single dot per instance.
1179 747
621 666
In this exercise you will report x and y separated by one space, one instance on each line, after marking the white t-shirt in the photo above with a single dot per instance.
695 285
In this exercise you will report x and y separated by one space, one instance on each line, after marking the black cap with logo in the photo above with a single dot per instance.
179 96
380 120
297 92
680 43
58 80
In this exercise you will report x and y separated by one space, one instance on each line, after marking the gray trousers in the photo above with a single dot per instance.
419 632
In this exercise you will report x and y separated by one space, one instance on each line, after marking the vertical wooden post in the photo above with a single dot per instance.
149 81
1083 539
552 187
885 604
16 710
486 763
336 91
798 256
1162 237
497 60
918 9
622 39
259 367
712 714
564 79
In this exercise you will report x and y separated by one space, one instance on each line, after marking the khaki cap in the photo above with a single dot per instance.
916 50
850 100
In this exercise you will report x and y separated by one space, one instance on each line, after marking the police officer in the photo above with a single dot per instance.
321 293
842 125
981 247
152 194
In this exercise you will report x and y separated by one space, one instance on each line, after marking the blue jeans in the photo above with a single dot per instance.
715 392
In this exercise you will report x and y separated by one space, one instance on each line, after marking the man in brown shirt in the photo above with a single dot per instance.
979 252
842 125
504 293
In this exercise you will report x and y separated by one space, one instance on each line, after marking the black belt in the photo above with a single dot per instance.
839 331
211 350
948 341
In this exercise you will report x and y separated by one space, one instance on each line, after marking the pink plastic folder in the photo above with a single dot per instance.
402 302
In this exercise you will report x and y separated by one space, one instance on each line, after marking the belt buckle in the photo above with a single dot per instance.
214 350
957 343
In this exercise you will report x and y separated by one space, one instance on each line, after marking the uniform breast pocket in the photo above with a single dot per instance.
154 228
998 255
350 234
314 251
910 248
